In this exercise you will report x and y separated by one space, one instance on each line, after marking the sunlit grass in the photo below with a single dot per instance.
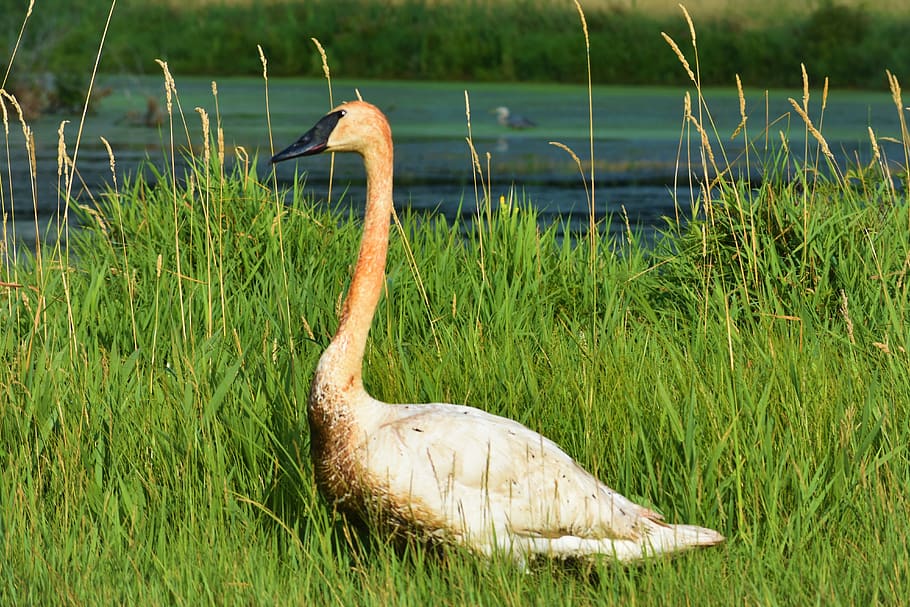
760 12
749 373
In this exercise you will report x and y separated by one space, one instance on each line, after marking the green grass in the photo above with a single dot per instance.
153 433
748 373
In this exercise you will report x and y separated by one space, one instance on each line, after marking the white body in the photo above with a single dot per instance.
456 473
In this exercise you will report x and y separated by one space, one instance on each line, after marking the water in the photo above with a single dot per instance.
640 166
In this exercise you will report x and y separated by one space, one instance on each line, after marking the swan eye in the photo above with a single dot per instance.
344 112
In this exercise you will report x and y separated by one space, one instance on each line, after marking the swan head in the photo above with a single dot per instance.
355 126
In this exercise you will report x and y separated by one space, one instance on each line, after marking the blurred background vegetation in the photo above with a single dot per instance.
849 41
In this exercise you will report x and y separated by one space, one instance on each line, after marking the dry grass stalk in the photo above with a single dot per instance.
26 130
687 104
680 56
206 133
475 157
308 329
32 148
277 224
172 98
325 68
264 62
876 153
243 157
127 275
467 110
221 150
742 109
571 153
170 87
415 271
475 171
219 132
903 275
206 201
895 87
742 98
706 150
489 191
825 95
111 163
219 137
584 27
628 224
845 312
475 161
884 347
328 81
12 57
814 131
170 91
691 24
592 227
705 141
32 165
577 160
3 93
802 67
85 108
265 78
63 159
584 23
883 166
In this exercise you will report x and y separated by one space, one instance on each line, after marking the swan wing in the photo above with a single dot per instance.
483 473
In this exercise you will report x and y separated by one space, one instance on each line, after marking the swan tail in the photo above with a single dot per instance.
662 538
657 538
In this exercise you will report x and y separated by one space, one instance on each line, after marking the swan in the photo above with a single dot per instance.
505 118
442 472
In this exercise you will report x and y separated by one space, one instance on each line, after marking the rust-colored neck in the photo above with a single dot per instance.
341 363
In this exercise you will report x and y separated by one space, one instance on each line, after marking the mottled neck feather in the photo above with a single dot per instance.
344 356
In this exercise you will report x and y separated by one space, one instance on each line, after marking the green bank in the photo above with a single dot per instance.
509 40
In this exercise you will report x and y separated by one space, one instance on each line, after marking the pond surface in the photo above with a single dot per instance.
642 150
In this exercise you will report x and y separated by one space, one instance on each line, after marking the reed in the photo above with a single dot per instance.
750 372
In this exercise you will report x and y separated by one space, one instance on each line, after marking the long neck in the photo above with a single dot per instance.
344 357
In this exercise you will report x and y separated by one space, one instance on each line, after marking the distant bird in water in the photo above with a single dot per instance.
440 472
506 118
151 118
